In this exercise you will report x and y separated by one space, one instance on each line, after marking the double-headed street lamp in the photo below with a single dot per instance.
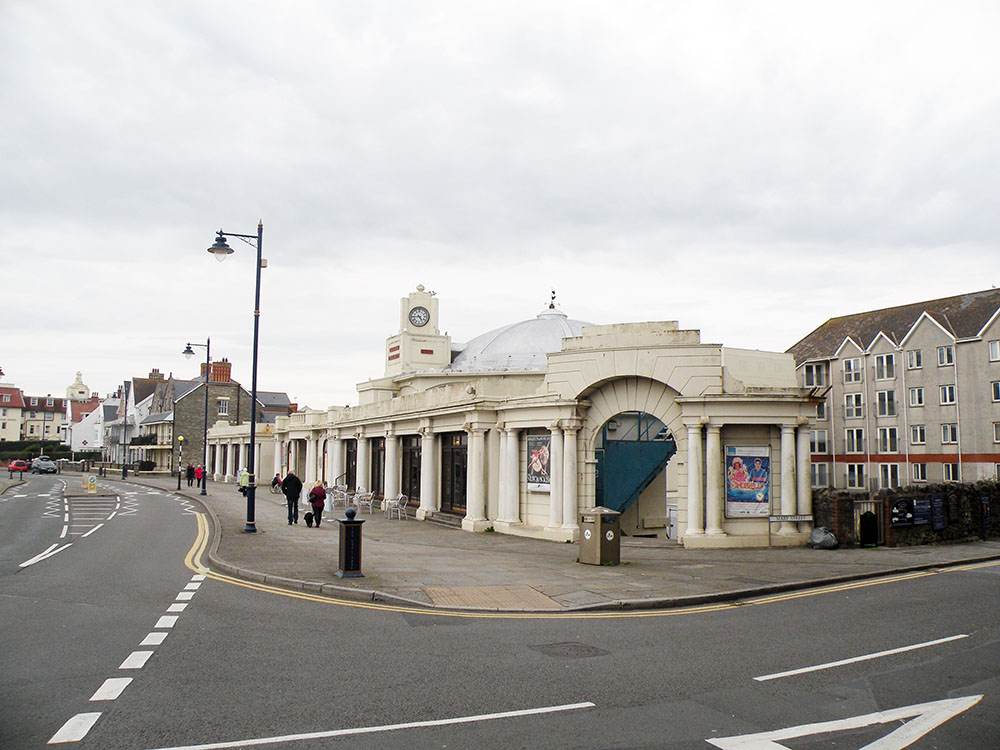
220 249
189 352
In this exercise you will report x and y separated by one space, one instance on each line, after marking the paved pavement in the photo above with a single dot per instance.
413 563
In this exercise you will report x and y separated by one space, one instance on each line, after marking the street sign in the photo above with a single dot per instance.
91 484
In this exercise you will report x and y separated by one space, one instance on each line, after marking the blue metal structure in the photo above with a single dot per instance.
630 458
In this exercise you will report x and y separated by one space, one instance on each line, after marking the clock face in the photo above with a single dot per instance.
419 316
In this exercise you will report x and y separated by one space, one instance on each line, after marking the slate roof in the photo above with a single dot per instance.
159 417
273 398
963 316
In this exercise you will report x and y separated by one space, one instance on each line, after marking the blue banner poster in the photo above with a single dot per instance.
748 482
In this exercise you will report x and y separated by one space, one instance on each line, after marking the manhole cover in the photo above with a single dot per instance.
570 650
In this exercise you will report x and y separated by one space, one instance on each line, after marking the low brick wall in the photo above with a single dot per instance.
963 513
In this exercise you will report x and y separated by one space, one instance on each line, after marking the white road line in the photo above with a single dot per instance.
192 586
76 728
176 607
154 639
92 531
64 530
384 728
47 553
185 596
866 657
111 689
166 621
198 577
136 660
113 514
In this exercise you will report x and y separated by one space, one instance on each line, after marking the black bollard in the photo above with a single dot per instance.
350 546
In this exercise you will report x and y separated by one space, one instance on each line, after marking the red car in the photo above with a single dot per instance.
17 465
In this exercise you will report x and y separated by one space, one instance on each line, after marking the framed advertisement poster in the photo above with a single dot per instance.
748 482
538 462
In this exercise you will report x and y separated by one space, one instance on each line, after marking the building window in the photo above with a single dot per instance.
996 390
31 430
6 398
856 476
996 432
852 370
887 440
3 425
34 402
886 403
947 394
915 359
946 355
815 375
854 440
48 402
919 472
951 473
817 441
949 433
916 397
821 411
885 366
995 351
853 405
223 407
888 476
820 475
918 434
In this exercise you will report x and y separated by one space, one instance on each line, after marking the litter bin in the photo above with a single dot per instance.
600 537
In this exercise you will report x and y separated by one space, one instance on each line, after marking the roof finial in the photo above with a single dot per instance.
552 301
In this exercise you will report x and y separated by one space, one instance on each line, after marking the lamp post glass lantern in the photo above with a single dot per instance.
188 353
221 250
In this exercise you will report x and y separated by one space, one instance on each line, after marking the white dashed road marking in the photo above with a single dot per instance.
76 728
111 689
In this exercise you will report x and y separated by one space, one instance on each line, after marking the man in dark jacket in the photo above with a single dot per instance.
291 486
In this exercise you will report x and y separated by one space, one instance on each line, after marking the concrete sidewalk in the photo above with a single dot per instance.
414 563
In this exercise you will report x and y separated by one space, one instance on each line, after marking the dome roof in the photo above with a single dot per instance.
519 346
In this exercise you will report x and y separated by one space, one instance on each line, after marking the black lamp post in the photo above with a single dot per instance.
125 429
220 249
189 352
180 456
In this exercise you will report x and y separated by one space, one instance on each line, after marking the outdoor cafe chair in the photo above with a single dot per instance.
397 506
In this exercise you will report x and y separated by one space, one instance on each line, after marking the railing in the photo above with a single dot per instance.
143 440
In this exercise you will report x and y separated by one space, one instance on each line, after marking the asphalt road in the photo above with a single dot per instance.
242 665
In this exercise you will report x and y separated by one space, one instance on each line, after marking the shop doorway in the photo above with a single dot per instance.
454 463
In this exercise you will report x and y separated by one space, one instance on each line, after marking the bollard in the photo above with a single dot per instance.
350 546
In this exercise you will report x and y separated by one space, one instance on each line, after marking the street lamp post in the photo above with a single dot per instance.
189 352
125 429
220 249
180 455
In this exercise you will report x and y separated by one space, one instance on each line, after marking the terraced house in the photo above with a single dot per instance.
910 394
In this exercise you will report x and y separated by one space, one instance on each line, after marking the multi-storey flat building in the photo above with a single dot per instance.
42 418
11 409
910 394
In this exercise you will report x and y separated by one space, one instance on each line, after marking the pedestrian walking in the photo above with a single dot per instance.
199 474
317 499
244 481
291 486
189 473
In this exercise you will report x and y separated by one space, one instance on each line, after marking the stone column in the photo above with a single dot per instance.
217 462
713 481
391 467
310 478
364 463
475 513
277 456
336 459
804 475
788 500
428 474
695 498
556 477
502 511
511 470
230 461
570 480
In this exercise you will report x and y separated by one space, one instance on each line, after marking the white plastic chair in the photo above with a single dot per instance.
397 506
365 499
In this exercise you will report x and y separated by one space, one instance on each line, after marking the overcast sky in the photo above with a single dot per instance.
747 169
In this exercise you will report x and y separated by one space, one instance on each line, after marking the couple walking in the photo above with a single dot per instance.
191 473
291 487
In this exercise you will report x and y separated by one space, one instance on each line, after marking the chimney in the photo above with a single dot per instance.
292 408
221 371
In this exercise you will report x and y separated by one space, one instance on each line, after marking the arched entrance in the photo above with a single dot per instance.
631 451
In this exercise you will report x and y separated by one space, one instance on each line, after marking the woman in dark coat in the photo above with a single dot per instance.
291 486
317 499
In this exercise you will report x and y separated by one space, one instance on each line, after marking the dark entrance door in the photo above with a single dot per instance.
378 467
454 459
410 484
351 464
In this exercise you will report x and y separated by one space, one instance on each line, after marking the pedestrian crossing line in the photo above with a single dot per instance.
76 728
136 660
111 689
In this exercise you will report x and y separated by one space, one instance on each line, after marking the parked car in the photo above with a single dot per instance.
43 465
17 465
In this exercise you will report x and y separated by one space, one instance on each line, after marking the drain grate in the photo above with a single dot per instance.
569 650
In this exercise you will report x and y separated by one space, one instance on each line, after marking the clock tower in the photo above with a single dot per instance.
419 344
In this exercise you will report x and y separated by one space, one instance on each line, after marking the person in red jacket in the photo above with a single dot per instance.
317 499
199 474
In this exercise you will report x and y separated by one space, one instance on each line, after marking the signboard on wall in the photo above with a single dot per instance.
538 479
748 481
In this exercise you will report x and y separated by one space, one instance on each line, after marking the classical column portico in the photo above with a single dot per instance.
277 457
475 513
391 468
428 474
695 499
570 480
217 462
335 456
714 510
310 478
556 478
804 474
230 462
511 470
788 500
363 463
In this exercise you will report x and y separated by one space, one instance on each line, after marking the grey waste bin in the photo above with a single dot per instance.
600 537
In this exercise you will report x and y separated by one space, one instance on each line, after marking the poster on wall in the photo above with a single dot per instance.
748 482
538 462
